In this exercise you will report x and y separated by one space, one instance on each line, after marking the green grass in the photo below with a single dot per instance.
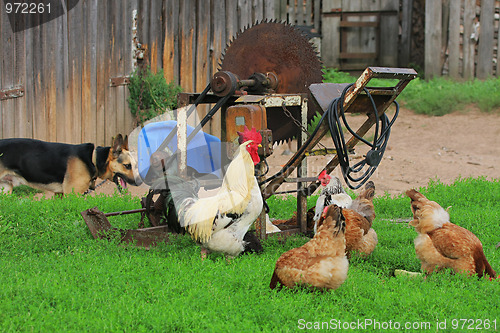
438 96
56 277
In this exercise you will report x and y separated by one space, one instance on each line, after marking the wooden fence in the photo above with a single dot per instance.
65 80
64 68
462 38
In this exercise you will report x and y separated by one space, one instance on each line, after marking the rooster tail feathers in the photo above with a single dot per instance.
180 195
482 264
274 281
489 270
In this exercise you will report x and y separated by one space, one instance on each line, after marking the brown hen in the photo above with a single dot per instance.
441 244
359 234
321 263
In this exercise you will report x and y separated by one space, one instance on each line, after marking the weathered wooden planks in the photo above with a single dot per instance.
485 48
468 42
433 24
64 66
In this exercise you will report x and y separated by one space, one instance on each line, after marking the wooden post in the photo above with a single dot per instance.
454 40
405 46
330 43
302 171
485 49
469 44
433 43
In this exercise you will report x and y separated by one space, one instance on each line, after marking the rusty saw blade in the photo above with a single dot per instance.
282 49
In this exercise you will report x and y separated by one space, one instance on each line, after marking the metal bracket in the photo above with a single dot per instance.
119 81
11 93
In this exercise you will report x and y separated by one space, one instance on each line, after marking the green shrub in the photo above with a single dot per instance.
151 95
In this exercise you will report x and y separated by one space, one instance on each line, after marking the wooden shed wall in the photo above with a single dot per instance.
64 67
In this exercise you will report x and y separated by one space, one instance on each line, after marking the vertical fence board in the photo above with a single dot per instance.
404 48
101 68
280 11
87 126
469 45
110 71
433 38
202 68
91 69
218 35
129 124
171 49
155 17
39 119
257 11
454 39
485 48
48 80
218 41
231 19
29 81
186 33
244 13
308 13
298 8
269 9
61 71
143 25
119 91
77 74
389 29
19 112
66 104
330 42
7 79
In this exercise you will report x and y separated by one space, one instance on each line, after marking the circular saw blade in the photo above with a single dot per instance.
284 50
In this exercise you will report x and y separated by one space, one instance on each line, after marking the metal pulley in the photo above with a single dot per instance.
226 82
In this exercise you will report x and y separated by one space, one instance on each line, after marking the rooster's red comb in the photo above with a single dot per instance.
247 135
323 175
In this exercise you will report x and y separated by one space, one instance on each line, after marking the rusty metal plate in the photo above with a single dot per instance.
281 49
11 93
119 81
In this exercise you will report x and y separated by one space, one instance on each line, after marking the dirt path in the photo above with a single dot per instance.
421 148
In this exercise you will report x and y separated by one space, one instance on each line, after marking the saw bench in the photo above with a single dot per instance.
278 93
251 110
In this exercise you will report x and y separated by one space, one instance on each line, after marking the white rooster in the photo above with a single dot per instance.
221 222
332 193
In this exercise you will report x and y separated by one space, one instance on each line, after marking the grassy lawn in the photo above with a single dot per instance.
56 277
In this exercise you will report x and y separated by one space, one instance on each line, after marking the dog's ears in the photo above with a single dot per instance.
117 144
125 143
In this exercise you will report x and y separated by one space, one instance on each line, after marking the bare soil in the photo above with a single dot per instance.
421 148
